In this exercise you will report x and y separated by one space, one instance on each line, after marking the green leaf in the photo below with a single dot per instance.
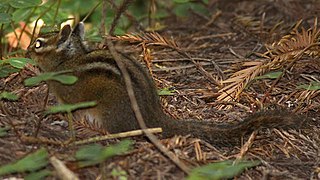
312 86
38 175
69 107
4 5
33 81
119 174
6 70
220 170
8 96
119 31
166 92
160 14
4 131
270 75
205 1
80 6
182 10
21 14
4 18
56 76
94 154
24 3
31 162
181 1
200 8
18 62
65 79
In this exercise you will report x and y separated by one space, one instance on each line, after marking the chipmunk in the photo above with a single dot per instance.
101 80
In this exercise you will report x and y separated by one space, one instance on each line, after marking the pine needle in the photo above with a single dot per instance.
284 53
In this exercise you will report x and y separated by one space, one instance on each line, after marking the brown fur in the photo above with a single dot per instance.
100 80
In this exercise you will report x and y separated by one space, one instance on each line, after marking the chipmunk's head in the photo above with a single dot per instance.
51 49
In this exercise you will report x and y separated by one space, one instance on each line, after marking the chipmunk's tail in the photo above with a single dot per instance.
230 134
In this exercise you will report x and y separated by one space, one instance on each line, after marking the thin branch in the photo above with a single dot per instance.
118 135
40 16
137 112
103 18
129 16
200 68
123 7
91 11
56 12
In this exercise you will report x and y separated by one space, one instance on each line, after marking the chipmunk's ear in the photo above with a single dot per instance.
64 34
79 30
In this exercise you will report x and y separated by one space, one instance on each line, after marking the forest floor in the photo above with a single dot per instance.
220 44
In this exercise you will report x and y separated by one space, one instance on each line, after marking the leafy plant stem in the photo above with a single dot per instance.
25 25
128 15
56 12
70 124
123 7
15 33
40 16
103 18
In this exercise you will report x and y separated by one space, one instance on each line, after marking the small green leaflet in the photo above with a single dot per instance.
69 107
166 92
56 76
13 65
39 175
8 96
270 75
31 162
220 170
65 79
94 154
312 86
19 62
119 174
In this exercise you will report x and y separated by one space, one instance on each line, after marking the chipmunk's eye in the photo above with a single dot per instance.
38 43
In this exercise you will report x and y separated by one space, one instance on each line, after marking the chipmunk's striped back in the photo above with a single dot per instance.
101 80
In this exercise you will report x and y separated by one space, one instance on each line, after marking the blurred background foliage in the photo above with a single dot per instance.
20 21
18 17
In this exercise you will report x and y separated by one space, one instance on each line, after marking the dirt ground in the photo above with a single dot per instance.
221 43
